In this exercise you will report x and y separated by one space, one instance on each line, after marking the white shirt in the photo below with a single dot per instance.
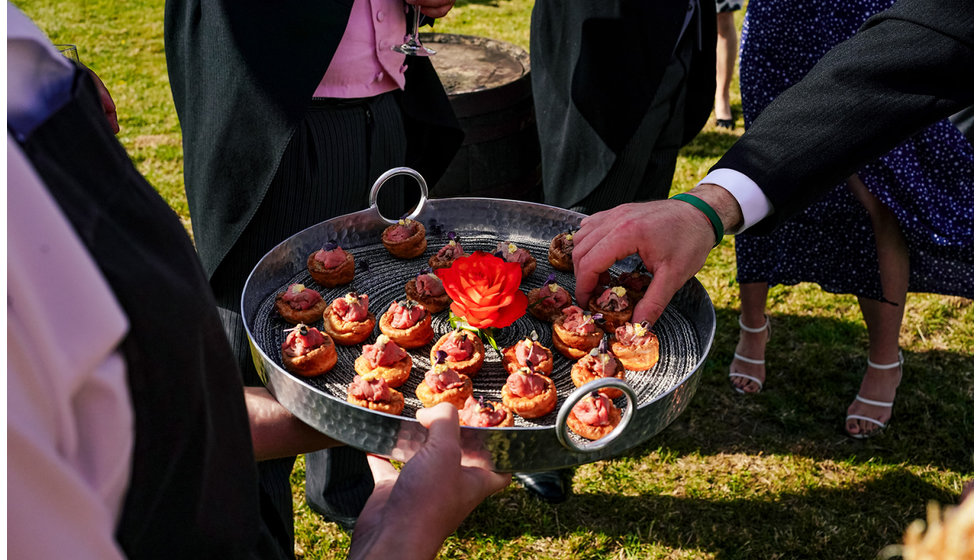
69 414
753 202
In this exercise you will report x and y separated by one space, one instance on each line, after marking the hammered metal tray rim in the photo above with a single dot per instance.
370 217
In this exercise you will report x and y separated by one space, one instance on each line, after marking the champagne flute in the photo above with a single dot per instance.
412 45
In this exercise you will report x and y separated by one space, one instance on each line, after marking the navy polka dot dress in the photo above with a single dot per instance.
927 182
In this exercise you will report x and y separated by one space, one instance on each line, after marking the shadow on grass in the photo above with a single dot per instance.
845 522
814 370
690 490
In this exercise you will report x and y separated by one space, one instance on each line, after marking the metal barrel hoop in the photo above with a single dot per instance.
561 428
394 172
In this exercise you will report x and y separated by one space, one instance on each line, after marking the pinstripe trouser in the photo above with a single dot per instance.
334 157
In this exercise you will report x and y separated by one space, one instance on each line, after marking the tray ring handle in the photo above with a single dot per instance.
566 408
394 172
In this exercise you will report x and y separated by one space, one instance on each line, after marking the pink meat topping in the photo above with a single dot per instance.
384 352
429 285
404 314
299 344
375 390
557 298
299 297
512 253
401 232
576 321
477 415
602 364
331 259
352 307
443 380
614 299
529 351
449 251
633 334
457 347
565 243
523 385
593 410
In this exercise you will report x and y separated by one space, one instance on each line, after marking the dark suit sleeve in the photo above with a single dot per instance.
907 67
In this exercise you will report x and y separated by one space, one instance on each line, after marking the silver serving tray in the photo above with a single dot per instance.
653 398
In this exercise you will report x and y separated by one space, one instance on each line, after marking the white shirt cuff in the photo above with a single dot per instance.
753 202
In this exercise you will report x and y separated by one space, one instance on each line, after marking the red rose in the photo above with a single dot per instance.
485 290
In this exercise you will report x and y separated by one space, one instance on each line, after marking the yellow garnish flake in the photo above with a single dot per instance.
371 375
568 237
350 297
383 340
619 291
511 248
639 329
297 288
553 288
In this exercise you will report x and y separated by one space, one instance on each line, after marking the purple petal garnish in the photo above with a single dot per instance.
330 246
603 345
451 235
484 405
441 356
551 278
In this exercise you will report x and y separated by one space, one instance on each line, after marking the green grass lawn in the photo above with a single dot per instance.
770 476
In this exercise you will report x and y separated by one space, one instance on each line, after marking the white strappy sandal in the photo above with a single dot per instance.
756 380
881 425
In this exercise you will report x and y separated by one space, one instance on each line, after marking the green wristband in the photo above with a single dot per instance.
708 212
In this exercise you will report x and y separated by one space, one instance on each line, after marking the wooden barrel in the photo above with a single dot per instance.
489 86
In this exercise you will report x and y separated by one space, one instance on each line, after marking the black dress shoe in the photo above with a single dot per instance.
551 486
725 123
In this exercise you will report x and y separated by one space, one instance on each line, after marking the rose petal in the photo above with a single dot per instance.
507 315
485 290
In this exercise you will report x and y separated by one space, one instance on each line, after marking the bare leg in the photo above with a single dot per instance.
727 52
884 319
751 344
